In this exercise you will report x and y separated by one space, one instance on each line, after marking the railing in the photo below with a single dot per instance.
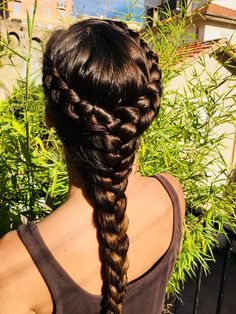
214 293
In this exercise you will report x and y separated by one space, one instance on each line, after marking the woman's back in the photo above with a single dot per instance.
70 236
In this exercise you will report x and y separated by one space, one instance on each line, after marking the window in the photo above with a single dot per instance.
61 3
47 12
61 13
17 8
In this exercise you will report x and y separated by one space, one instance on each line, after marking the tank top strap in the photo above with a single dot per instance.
43 259
177 223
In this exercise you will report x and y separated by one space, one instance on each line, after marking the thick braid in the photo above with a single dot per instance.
104 156
148 103
111 152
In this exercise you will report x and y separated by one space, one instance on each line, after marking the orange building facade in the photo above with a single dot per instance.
49 12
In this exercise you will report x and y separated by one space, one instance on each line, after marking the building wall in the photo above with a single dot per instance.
216 30
16 36
231 4
191 34
201 32
49 12
195 32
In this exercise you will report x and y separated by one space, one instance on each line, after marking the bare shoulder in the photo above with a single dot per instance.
7 252
178 188
14 297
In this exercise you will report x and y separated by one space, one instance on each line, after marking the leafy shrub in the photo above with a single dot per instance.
186 140
33 175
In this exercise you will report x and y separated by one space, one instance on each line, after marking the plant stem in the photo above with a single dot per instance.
30 24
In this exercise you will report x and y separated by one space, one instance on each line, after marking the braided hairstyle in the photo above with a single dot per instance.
102 85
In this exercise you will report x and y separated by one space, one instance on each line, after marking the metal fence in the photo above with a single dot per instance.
214 293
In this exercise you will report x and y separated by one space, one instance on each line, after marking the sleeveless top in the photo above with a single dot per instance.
145 294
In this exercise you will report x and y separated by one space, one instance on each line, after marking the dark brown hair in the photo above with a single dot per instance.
103 88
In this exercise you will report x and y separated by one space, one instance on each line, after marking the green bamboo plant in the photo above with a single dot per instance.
33 175
185 140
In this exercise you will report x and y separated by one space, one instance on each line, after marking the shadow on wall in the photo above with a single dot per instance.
13 67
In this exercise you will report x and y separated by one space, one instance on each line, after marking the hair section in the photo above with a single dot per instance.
103 89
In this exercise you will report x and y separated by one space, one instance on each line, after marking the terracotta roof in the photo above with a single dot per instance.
194 50
219 11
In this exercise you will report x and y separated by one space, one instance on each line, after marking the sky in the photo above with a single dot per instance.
106 8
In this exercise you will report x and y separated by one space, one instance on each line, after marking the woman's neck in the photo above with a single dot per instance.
76 185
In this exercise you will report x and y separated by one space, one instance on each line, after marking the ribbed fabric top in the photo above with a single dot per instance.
144 295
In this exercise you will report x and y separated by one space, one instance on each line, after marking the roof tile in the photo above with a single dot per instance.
217 10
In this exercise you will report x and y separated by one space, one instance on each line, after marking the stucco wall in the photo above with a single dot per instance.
191 32
47 10
216 30
201 32
15 69
196 31
231 4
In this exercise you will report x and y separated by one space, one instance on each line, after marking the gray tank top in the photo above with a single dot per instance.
144 295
